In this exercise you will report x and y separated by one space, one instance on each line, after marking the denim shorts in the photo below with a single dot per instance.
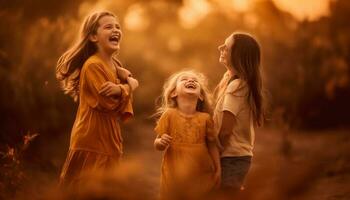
233 171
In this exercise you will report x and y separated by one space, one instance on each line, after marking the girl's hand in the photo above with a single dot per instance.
133 83
123 73
165 139
163 142
110 89
217 178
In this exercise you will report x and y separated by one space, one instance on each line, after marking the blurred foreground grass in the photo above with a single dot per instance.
286 165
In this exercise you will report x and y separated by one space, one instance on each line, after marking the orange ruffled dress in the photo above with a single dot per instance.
187 169
96 141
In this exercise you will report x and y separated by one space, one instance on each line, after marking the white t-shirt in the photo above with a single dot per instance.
233 98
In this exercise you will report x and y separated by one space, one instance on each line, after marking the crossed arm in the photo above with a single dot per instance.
111 89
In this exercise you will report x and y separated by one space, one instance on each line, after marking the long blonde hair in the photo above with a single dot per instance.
166 101
70 63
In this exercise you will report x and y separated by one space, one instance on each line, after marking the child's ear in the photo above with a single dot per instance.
173 94
93 38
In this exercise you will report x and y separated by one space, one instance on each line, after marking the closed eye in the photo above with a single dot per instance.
109 27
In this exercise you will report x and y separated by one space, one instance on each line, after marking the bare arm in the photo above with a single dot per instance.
126 76
123 73
212 143
228 122
214 154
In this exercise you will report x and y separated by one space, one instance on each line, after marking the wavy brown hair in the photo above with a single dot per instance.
70 63
245 58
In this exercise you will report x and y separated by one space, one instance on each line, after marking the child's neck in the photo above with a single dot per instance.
187 105
106 56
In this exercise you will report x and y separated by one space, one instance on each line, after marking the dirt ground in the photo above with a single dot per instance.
296 165
286 164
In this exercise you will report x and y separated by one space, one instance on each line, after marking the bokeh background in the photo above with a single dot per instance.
301 153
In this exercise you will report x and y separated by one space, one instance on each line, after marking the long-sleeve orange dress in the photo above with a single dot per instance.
96 141
187 170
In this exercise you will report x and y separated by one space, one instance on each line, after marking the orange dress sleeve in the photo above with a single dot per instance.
93 76
163 124
127 111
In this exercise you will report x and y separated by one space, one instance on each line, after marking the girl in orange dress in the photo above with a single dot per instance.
91 74
190 166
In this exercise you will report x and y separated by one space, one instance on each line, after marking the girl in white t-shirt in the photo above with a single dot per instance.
239 107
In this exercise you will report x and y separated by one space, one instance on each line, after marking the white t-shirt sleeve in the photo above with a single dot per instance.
234 98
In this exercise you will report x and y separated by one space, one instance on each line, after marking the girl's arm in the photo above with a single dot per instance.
163 139
126 76
93 79
214 153
123 73
213 149
111 89
133 83
234 100
228 122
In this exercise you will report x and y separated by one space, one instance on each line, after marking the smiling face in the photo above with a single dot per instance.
188 84
225 52
108 34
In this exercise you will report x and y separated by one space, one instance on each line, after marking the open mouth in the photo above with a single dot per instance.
190 86
114 38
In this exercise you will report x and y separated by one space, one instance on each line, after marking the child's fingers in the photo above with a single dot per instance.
104 85
103 89
167 136
167 139
164 143
107 89
109 93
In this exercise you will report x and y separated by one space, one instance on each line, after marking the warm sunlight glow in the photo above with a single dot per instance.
135 18
90 111
301 9
241 5
174 44
193 11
